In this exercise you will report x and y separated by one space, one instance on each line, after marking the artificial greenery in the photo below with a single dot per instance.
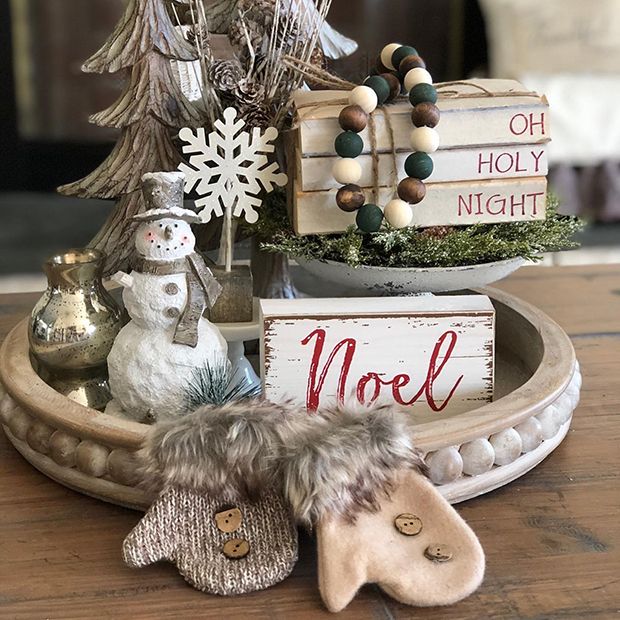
410 247
216 385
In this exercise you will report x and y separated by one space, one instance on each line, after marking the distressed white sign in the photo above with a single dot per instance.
432 354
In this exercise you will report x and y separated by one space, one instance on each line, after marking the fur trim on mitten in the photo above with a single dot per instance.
231 449
344 460
220 515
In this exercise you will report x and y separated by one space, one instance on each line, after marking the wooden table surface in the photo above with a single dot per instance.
552 537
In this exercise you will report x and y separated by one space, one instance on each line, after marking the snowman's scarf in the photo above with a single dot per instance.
202 291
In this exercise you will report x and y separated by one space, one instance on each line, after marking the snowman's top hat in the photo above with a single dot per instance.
163 195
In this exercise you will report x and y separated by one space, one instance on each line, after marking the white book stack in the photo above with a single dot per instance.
491 165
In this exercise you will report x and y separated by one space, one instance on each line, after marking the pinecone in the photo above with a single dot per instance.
225 75
257 16
317 59
248 92
437 232
192 34
256 115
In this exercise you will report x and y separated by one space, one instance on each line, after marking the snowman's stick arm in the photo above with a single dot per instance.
122 278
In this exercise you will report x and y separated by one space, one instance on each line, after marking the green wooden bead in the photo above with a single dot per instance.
419 165
369 218
402 52
380 86
348 144
421 93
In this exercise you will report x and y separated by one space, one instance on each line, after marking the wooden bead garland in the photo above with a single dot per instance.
397 65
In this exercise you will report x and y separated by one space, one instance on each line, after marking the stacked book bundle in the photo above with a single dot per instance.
491 165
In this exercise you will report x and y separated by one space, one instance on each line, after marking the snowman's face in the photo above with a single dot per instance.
165 239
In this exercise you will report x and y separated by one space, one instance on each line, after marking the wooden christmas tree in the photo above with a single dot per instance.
148 112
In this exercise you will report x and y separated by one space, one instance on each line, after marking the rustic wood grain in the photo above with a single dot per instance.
552 537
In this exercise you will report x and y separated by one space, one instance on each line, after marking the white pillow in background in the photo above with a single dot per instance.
552 36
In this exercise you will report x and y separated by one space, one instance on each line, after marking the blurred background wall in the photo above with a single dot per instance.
567 49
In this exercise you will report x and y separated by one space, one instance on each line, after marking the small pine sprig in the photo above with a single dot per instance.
411 247
216 385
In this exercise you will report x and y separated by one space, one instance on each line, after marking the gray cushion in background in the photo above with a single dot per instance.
33 226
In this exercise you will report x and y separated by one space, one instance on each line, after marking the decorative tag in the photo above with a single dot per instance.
432 355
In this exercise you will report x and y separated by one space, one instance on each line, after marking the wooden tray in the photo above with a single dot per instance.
537 390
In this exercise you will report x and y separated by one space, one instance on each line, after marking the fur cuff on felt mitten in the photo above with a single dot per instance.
219 516
356 478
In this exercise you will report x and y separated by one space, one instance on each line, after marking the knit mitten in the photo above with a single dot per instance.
357 480
220 515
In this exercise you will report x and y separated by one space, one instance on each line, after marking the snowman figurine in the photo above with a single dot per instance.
155 356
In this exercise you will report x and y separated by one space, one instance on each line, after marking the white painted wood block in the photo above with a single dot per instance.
433 356
453 204
501 162
509 118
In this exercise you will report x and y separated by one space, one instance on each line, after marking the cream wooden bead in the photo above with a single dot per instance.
386 54
417 76
531 434
507 446
63 447
122 467
550 421
19 423
38 437
424 139
346 171
564 405
478 456
91 458
7 404
398 213
365 97
445 465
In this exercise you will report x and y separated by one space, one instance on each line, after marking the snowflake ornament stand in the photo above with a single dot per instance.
230 171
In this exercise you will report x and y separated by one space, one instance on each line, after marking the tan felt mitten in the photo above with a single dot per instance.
357 480
220 515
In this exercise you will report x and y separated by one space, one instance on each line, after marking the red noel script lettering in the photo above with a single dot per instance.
399 381
314 387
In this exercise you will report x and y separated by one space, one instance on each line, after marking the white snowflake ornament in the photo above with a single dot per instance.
229 167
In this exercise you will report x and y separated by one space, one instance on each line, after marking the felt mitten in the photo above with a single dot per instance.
357 480
220 515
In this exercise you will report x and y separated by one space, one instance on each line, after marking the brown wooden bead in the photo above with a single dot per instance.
411 190
394 84
425 114
381 68
410 62
350 197
353 118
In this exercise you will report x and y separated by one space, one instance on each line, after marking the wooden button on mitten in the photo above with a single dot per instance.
358 481
220 516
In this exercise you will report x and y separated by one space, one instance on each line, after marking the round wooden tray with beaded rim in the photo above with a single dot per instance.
537 390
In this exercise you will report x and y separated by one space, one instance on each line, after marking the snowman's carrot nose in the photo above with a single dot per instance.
168 232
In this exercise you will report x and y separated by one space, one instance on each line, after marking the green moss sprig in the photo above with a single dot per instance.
410 247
